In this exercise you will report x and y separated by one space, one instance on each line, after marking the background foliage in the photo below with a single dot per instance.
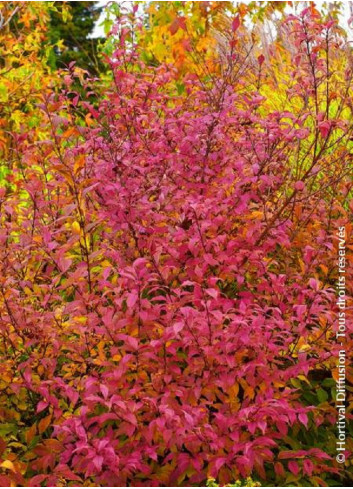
71 25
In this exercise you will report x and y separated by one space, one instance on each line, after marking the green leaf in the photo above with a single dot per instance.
7 428
322 395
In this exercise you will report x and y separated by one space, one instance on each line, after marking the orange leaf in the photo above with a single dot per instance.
30 434
79 163
44 423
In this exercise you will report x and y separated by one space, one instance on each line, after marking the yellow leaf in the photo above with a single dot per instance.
302 265
7 464
27 291
302 377
81 319
76 228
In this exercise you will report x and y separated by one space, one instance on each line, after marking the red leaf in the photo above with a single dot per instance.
178 23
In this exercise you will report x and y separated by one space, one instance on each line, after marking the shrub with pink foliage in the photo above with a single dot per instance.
180 249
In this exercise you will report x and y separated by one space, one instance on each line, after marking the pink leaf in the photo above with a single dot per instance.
293 467
299 185
324 128
235 23
303 418
177 327
132 299
104 390
41 406
308 467
313 284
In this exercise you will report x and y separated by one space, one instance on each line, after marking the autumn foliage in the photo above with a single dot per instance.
168 256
